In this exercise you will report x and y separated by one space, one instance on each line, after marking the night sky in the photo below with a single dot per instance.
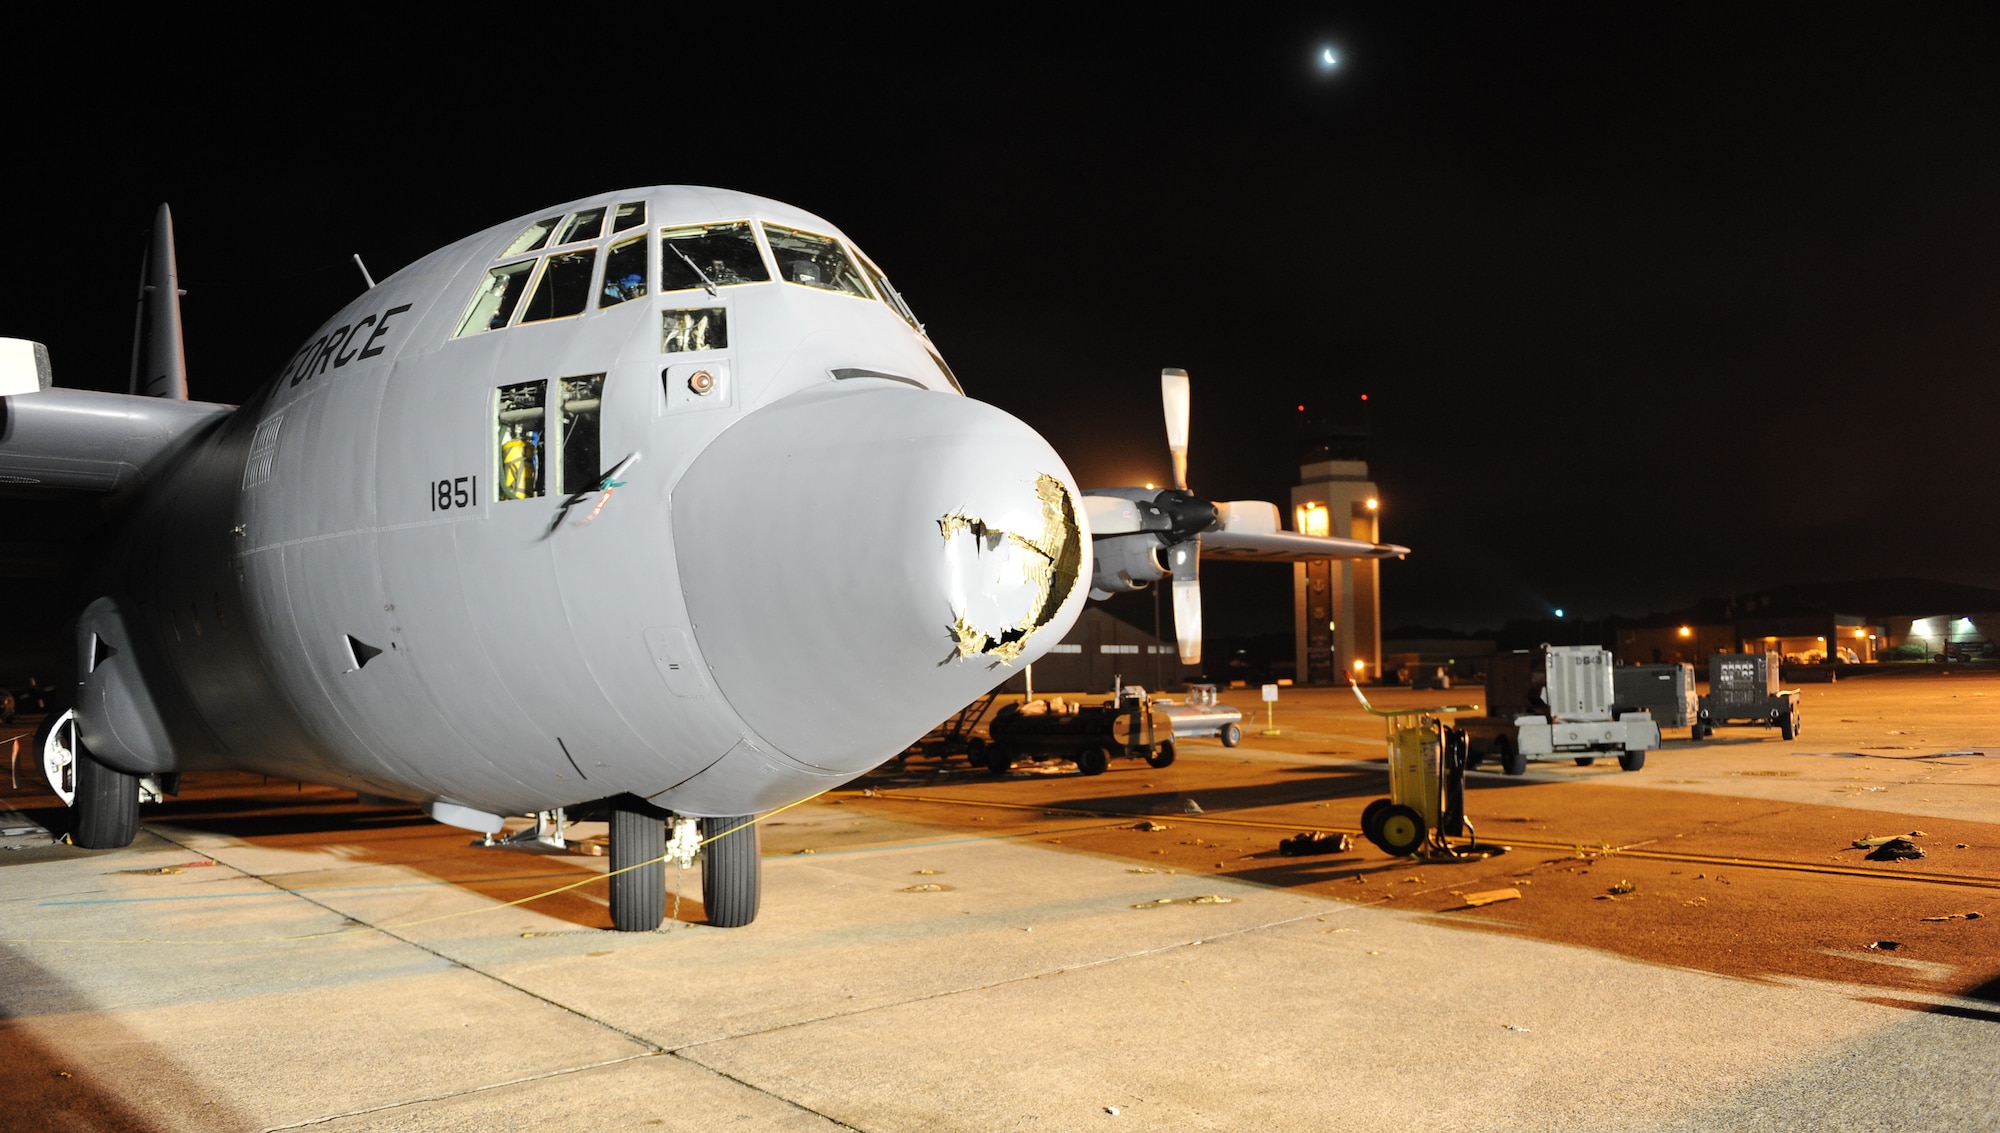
1649 302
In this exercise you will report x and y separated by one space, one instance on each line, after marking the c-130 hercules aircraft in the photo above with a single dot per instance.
659 505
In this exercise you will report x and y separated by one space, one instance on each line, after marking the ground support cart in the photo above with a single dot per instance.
957 736
1426 803
1203 714
1743 689
1129 724
1556 701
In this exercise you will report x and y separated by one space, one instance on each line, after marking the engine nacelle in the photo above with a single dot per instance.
1125 562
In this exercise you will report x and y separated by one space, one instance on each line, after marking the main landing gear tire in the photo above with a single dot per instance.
1401 830
1632 761
1093 760
1231 735
731 871
638 868
1512 761
1161 756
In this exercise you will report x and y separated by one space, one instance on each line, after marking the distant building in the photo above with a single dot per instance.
1814 624
1100 650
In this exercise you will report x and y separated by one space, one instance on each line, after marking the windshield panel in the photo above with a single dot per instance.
565 286
624 272
814 261
725 253
585 225
889 293
537 234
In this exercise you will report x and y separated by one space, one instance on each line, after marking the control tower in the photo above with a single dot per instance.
1337 603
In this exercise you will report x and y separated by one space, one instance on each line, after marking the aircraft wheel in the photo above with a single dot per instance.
731 871
1512 761
1370 816
1161 756
638 894
1231 735
1632 760
1585 760
106 814
1401 829
1093 761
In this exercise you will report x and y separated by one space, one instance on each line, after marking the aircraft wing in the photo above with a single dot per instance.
91 441
1291 547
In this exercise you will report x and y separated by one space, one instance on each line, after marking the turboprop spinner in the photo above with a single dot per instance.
1141 535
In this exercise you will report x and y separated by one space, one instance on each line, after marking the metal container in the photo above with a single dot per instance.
1666 691
1514 683
1579 682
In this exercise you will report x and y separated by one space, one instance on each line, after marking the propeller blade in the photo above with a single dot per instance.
1184 559
1174 396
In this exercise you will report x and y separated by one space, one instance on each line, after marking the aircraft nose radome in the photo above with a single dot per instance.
861 563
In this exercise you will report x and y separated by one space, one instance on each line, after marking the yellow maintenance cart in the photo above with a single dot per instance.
1426 803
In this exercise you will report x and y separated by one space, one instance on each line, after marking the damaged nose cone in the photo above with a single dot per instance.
1008 583
861 563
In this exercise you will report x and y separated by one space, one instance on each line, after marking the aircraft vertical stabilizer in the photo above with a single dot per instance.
159 368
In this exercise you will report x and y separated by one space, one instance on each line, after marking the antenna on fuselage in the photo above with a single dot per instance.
364 271
159 365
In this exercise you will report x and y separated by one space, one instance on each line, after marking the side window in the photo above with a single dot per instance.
889 293
702 254
565 287
582 466
519 419
814 261
624 272
494 304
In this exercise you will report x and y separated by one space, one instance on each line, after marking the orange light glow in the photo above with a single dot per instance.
1312 519
1373 503
1687 631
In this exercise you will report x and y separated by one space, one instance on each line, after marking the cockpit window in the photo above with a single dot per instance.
624 272
628 216
815 261
889 293
585 225
565 286
537 234
700 255
494 305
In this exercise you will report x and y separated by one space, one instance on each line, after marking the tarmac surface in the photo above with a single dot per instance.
1696 946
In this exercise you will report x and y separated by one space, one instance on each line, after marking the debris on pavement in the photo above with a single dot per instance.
1620 888
1205 899
1957 917
1191 807
929 887
1151 827
1517 1030
1490 896
1313 842
1895 850
1870 841
1885 945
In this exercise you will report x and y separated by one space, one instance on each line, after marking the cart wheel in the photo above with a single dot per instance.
1402 830
975 751
1511 760
1694 732
1585 760
1162 755
1632 760
1093 761
999 759
1231 735
1789 726
1369 815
